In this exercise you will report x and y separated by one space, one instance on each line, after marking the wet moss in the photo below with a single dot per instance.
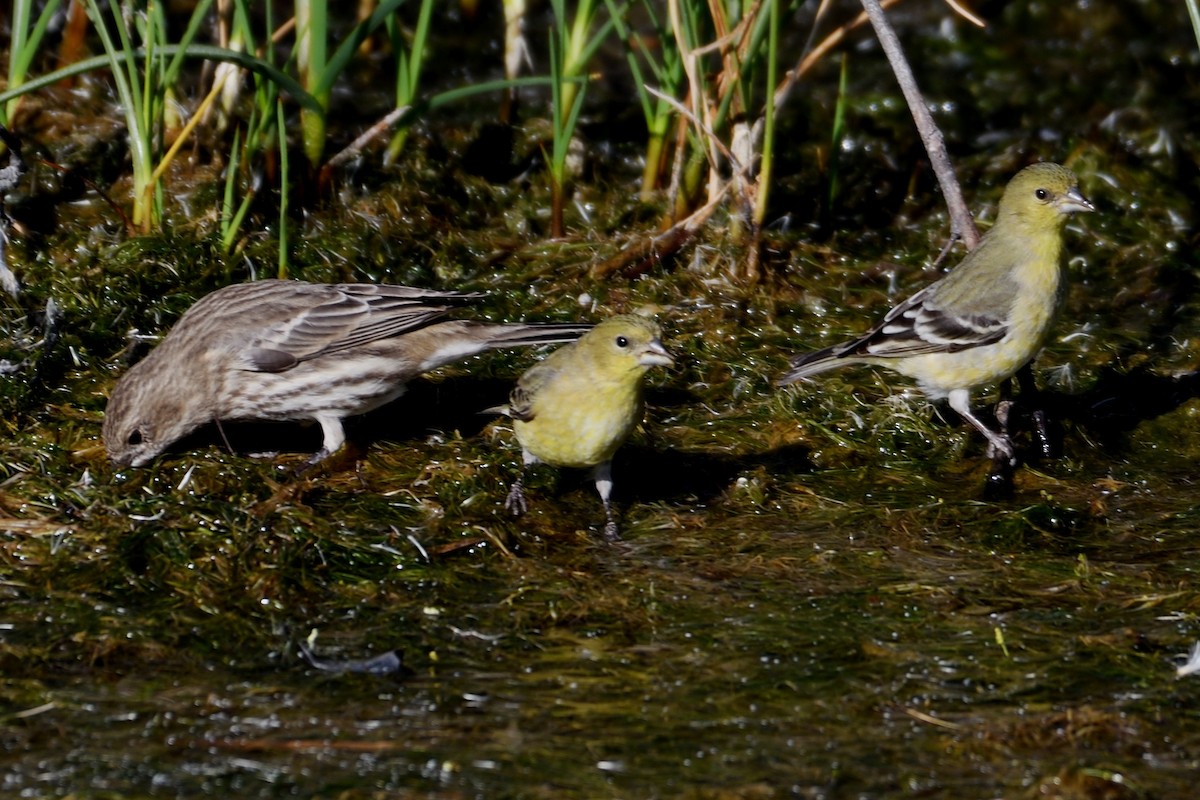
812 596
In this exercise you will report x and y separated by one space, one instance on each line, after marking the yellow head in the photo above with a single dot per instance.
623 346
576 408
1042 196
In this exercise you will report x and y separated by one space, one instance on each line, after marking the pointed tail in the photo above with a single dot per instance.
530 334
814 363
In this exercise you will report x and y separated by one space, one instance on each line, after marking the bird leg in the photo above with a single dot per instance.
1032 397
604 484
333 437
515 502
999 445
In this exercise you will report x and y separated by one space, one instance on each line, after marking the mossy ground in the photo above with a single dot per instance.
812 597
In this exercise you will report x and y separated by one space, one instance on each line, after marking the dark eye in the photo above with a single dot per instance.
1041 194
622 341
135 437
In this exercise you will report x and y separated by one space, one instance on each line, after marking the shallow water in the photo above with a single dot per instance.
813 595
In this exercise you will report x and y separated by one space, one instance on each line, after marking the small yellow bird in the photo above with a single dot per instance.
576 407
985 319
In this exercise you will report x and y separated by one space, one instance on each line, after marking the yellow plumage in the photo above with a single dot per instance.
989 316
575 408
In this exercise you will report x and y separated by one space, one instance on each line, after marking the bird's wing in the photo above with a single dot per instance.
920 326
535 379
520 404
967 308
329 319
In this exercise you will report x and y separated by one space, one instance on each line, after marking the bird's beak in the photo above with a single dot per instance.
1074 200
655 355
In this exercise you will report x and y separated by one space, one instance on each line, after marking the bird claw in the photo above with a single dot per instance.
611 532
345 456
312 462
1000 449
515 502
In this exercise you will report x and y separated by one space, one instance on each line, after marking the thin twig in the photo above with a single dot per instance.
663 244
700 110
966 13
932 720
735 162
378 129
200 114
961 222
811 57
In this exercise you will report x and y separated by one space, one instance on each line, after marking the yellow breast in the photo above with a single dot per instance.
580 424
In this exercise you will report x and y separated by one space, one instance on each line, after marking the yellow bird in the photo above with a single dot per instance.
985 319
576 407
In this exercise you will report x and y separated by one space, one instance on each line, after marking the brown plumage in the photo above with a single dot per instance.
289 350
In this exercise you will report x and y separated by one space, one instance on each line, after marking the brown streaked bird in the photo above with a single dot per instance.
290 350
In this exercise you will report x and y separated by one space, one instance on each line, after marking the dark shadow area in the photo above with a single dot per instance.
1107 412
1119 401
453 404
648 469
251 437
645 473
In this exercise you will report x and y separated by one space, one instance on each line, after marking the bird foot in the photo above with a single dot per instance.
312 462
611 532
1000 450
515 502
346 456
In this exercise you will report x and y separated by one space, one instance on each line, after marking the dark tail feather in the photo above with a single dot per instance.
816 362
531 334
445 342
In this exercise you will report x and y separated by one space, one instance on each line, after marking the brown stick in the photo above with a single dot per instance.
648 252
961 223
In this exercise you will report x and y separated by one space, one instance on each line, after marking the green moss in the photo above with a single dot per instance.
813 596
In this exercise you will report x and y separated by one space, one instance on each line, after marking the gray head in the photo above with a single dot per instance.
150 408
